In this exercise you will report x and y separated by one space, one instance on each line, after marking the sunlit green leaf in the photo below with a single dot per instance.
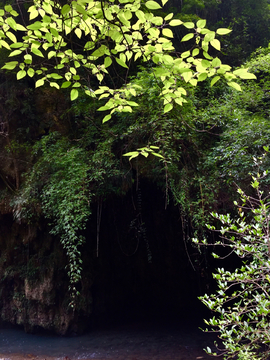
175 22
15 52
107 61
168 17
8 8
152 5
11 36
65 84
167 108
10 65
28 59
36 26
189 25
39 83
216 44
21 74
243 74
235 85
121 62
209 36
65 9
106 118
216 62
201 23
214 80
12 23
33 14
37 52
195 52
187 37
74 93
223 31
167 32
30 72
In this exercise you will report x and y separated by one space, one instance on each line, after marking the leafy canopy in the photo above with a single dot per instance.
74 45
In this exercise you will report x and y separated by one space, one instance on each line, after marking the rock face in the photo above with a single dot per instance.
34 284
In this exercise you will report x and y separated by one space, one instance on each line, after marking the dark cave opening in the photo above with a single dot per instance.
146 270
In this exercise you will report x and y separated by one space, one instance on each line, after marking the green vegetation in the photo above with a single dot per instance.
242 301
176 115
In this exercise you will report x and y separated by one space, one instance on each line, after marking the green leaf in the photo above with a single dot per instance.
132 154
167 32
99 52
65 9
49 37
39 83
216 62
51 54
187 37
37 52
11 36
106 118
169 16
175 22
187 75
223 31
121 62
56 76
12 23
202 77
15 52
47 7
36 26
216 44
234 85
74 94
65 84
201 24
205 63
214 80
28 59
107 61
167 108
167 59
152 5
10 65
21 74
195 52
209 36
78 32
33 14
30 72
243 74
185 54
8 8
189 25
21 28
158 155
16 45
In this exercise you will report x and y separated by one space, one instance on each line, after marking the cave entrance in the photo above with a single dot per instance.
146 270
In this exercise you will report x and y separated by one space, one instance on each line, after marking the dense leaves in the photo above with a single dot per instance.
79 42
